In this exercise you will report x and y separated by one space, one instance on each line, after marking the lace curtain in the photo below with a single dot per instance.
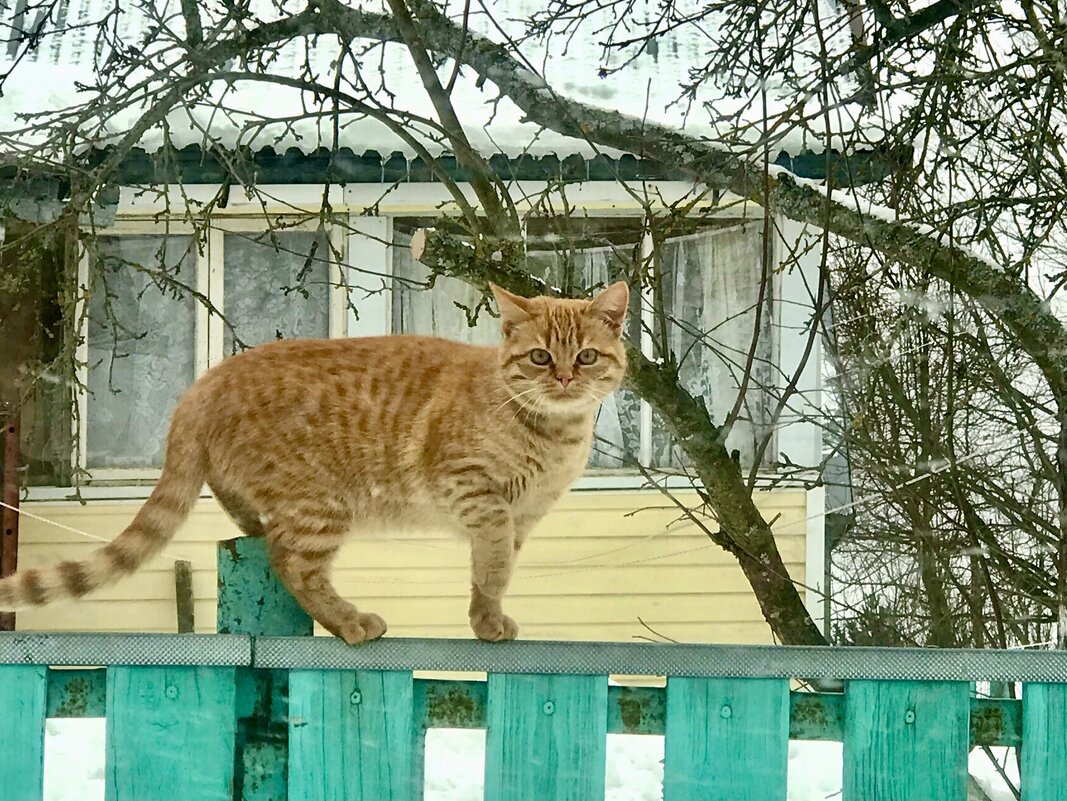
142 340
142 326
417 310
709 291
276 286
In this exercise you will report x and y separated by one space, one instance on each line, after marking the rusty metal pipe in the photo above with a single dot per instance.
9 540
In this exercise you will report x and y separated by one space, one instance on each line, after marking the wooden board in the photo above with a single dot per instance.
350 736
726 739
1043 763
23 693
565 585
546 738
170 733
906 741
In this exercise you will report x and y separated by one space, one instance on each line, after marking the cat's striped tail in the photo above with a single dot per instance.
156 522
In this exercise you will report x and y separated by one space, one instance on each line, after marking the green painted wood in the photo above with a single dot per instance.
461 705
170 733
77 693
350 736
450 704
252 600
1043 760
546 737
193 165
262 734
906 741
636 710
726 739
816 716
996 721
23 692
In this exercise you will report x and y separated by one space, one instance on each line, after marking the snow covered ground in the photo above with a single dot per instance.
74 766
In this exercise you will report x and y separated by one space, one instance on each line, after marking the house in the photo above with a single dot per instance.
614 560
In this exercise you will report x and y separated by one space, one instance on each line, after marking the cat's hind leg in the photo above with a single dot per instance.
302 557
239 511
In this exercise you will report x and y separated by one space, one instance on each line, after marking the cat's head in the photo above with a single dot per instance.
561 355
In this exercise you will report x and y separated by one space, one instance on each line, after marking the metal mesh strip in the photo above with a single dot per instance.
125 649
740 661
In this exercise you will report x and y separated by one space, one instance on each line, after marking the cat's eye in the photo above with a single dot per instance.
540 357
588 356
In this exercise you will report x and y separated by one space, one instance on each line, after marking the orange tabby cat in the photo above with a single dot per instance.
304 440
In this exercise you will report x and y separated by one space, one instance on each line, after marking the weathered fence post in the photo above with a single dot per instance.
252 600
183 594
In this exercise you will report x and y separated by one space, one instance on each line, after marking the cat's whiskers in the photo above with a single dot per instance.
530 408
533 408
596 395
515 397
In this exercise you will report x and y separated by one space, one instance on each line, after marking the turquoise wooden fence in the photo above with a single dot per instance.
262 711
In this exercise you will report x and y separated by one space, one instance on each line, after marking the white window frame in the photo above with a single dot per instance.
209 336
222 225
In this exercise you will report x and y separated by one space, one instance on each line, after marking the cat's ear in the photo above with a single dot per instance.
611 304
513 309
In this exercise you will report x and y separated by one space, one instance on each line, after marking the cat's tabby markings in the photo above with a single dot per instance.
302 441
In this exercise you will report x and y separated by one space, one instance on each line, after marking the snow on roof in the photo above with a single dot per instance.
262 114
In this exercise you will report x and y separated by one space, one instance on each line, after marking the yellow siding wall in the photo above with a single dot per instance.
598 562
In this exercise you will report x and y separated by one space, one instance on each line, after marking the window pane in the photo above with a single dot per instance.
709 289
568 253
276 286
142 340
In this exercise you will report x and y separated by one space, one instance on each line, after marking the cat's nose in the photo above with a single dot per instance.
564 380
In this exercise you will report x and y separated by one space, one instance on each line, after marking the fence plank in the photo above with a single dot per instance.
546 737
726 739
906 740
252 600
1043 765
351 736
23 690
170 733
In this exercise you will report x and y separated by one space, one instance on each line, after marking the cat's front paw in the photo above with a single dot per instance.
494 626
365 626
